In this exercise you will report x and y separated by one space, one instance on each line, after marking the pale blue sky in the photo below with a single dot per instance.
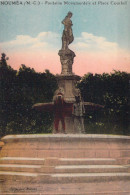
111 22
32 34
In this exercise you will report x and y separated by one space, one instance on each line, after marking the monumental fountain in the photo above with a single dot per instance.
67 104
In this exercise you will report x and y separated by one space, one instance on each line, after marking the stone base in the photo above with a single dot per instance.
65 164
66 58
70 128
70 145
67 82
67 85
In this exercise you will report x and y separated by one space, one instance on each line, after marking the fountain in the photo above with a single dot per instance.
67 102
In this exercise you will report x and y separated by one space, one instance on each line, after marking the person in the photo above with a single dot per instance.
59 105
67 36
78 114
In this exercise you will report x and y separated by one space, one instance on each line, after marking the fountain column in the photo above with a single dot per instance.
67 79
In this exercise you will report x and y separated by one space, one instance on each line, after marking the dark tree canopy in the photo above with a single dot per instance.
112 91
19 90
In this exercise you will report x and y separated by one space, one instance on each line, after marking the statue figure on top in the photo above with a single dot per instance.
67 36
66 55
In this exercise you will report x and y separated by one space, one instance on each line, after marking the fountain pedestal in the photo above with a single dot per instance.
67 59
67 83
67 79
67 103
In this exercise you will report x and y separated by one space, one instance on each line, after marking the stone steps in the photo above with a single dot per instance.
84 169
63 168
22 160
63 153
65 164
90 169
64 173
87 161
20 168
63 177
60 161
83 177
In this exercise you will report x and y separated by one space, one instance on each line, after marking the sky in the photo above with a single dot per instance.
31 35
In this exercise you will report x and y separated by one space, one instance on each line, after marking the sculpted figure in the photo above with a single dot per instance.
59 106
59 90
78 114
67 36
66 55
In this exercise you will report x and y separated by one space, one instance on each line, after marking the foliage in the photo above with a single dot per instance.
19 90
112 91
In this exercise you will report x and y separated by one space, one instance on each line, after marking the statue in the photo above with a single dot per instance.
78 114
67 36
66 55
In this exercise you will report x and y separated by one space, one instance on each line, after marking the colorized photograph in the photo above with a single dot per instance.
64 97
